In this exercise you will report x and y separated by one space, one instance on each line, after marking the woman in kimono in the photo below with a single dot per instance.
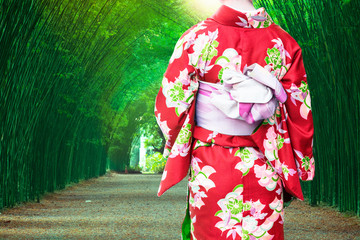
234 107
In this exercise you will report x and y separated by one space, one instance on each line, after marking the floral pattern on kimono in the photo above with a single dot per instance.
200 177
234 223
281 148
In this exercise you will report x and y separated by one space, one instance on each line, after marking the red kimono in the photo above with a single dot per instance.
236 183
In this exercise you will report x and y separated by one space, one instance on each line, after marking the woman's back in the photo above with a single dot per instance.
237 182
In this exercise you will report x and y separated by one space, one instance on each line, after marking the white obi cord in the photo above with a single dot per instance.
239 105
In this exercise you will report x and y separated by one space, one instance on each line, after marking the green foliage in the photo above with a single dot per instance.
136 169
71 76
79 78
155 162
328 33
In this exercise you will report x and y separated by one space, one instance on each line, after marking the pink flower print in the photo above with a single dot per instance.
308 164
204 177
200 43
167 149
295 94
270 142
248 157
190 40
305 108
272 145
280 72
231 226
229 60
280 46
197 200
235 63
195 168
249 225
286 171
267 176
232 208
302 95
201 176
163 126
251 21
235 230
243 23
277 205
212 136
213 35
271 135
204 66
180 149
256 208
184 77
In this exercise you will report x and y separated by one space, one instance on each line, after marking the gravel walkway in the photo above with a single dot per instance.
119 206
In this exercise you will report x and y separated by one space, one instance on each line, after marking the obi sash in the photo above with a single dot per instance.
239 105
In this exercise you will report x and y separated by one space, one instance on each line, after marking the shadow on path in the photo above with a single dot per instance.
119 206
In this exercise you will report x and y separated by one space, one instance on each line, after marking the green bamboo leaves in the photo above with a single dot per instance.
67 77
327 32
78 79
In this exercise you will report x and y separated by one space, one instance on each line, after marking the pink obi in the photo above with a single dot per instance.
241 103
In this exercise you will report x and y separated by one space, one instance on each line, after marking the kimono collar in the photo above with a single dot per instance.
245 19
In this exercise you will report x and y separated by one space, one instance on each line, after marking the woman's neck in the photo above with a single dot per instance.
240 5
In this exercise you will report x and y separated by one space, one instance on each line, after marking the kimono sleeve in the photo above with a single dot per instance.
299 116
174 99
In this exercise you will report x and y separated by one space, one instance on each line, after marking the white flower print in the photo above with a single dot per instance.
267 176
247 227
286 171
204 51
185 42
301 94
276 59
229 60
163 126
248 157
200 177
180 93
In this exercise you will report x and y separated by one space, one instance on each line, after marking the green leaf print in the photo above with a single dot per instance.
201 144
267 23
221 72
280 142
222 57
235 206
184 134
245 235
218 212
245 154
238 186
274 58
177 93
303 87
247 206
210 51
285 170
305 163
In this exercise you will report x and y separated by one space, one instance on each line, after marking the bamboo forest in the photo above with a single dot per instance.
79 80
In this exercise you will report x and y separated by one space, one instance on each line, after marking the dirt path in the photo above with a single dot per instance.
120 206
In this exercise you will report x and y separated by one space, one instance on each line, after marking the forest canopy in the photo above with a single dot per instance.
79 78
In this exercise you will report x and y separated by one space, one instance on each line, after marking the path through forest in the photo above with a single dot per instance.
125 206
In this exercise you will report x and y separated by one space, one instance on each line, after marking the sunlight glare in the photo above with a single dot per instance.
207 6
